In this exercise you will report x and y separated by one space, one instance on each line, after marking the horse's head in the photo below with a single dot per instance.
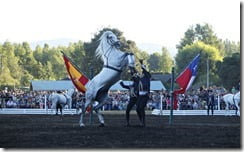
68 96
50 97
112 39
237 96
108 41
70 92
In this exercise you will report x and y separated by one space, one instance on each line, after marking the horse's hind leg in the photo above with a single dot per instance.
100 118
57 109
81 122
238 110
99 106
61 109
227 109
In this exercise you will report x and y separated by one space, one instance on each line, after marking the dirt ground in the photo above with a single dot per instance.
186 132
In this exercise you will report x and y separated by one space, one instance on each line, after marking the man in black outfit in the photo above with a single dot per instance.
59 106
134 93
210 101
144 92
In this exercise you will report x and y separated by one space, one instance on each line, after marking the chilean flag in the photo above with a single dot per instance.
186 78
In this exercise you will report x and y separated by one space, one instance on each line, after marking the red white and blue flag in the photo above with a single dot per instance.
187 77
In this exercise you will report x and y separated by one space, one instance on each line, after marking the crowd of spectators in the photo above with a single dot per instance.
117 100
22 99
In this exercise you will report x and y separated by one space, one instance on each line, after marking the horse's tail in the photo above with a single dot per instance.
69 102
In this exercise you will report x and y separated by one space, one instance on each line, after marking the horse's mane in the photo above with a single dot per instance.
103 43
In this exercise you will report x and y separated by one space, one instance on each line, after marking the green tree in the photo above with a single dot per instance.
231 47
154 61
38 53
202 33
49 72
229 71
185 56
166 61
10 70
78 56
26 78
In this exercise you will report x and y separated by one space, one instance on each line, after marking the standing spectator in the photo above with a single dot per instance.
195 105
233 90
210 101
167 99
238 86
204 96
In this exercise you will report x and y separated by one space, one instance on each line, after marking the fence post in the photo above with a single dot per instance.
171 97
91 112
218 102
45 102
161 104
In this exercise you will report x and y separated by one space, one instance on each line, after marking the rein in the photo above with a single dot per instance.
110 41
109 67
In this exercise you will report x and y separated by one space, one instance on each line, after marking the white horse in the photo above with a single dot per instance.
60 100
115 61
232 99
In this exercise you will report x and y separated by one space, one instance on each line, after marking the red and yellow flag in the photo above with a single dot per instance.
78 79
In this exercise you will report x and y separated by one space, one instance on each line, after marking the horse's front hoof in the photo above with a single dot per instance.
101 125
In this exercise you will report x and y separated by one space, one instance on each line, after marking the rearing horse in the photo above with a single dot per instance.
115 61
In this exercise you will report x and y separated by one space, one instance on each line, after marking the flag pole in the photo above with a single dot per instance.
171 97
91 112
75 66
208 72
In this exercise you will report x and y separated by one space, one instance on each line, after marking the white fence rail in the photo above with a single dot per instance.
193 112
154 112
33 111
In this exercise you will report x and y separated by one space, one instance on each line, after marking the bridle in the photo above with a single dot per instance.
112 44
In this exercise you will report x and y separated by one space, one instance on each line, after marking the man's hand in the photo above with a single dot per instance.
143 66
121 82
141 61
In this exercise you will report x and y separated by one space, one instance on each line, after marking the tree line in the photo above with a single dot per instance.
19 64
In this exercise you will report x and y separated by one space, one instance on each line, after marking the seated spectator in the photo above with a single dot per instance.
195 105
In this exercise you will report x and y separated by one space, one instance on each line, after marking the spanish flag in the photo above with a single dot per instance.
78 79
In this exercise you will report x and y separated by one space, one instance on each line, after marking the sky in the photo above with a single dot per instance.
160 22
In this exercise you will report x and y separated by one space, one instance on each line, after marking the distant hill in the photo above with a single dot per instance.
149 47
53 43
